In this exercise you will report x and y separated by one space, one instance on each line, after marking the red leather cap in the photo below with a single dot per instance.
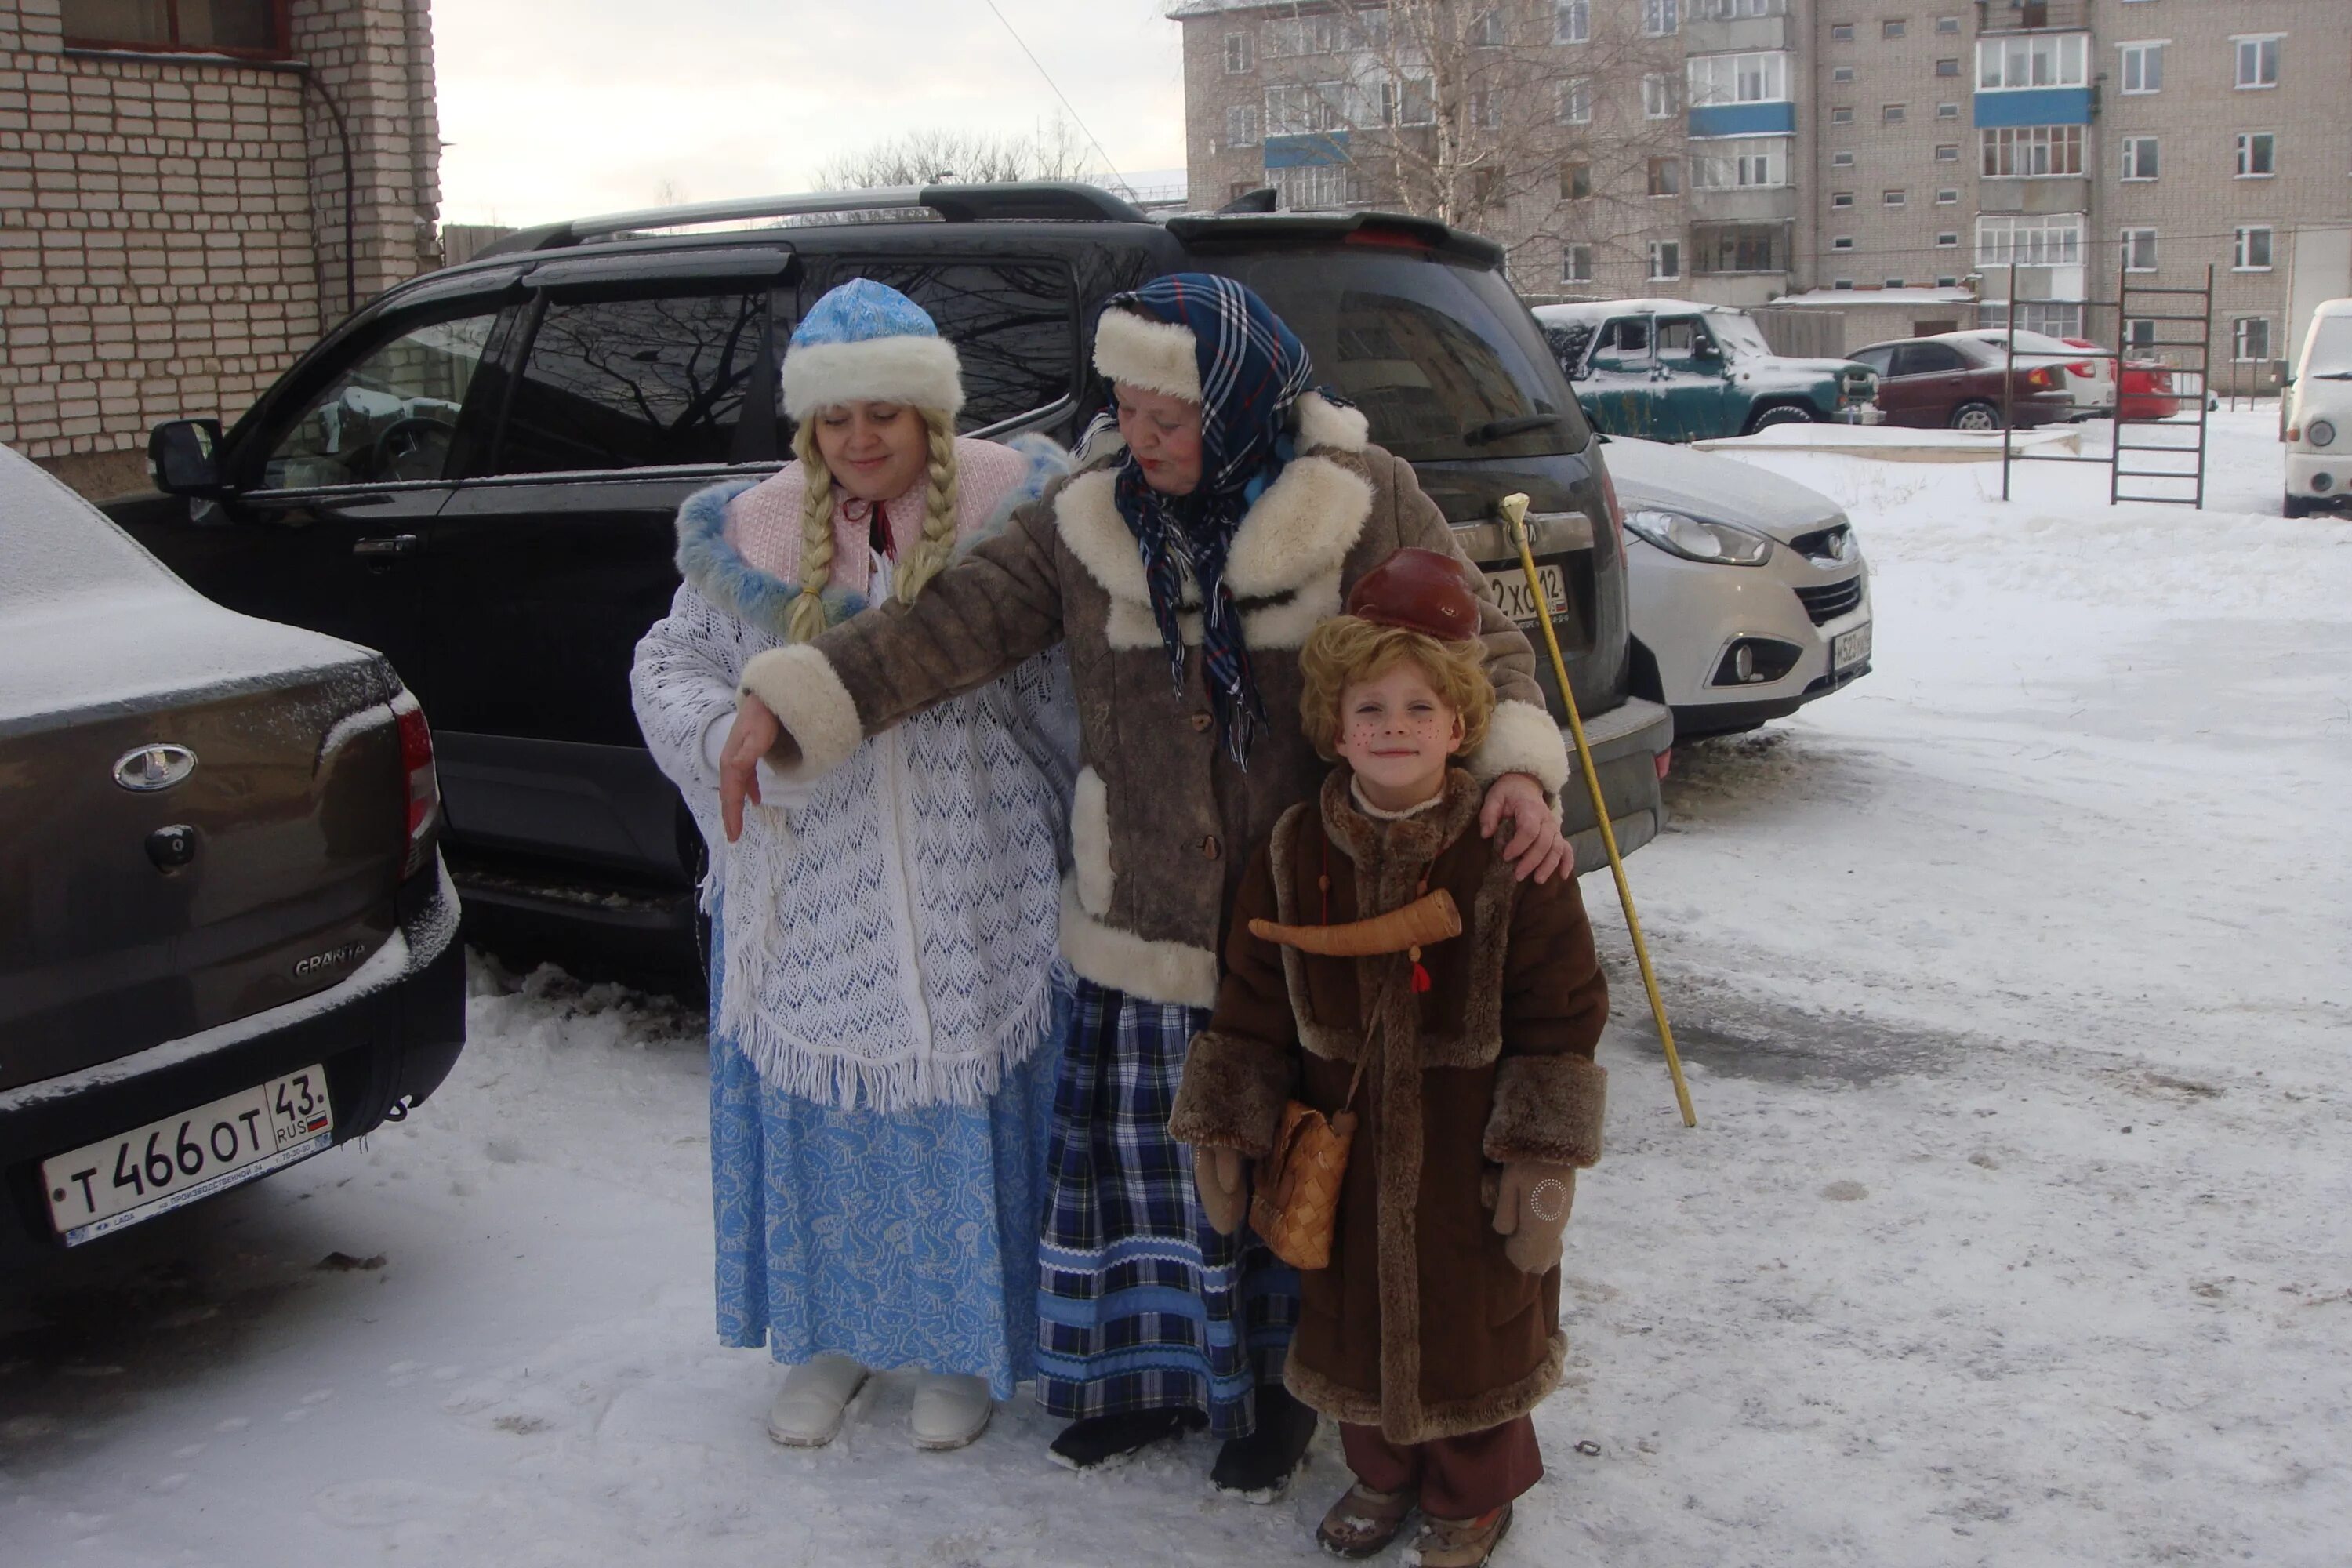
1420 590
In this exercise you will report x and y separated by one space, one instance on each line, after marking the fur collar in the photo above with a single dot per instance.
1300 529
1415 841
712 568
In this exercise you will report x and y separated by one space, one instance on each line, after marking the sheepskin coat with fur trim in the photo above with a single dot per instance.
1160 813
1422 1326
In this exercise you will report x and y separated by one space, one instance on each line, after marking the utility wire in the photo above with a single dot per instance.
1110 166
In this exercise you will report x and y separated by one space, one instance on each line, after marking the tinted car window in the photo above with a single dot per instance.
1013 324
1445 361
629 384
389 417
1627 335
1926 358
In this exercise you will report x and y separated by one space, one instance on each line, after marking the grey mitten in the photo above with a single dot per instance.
1224 1193
1532 1201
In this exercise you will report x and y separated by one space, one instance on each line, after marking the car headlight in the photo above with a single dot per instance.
2320 433
1697 539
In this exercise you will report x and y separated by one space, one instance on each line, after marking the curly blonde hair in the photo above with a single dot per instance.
922 562
1347 651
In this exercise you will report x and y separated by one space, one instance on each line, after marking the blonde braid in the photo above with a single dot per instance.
933 551
808 616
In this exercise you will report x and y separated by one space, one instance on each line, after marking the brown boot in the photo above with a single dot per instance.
1363 1521
1461 1542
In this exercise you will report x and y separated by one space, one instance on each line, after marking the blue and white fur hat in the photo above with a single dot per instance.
867 342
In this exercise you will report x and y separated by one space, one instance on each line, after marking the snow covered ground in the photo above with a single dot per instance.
2017 1228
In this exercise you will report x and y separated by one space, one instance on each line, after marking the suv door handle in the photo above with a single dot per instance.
386 544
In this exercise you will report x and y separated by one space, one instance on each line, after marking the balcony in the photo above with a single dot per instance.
1710 29
2034 193
1734 205
2033 16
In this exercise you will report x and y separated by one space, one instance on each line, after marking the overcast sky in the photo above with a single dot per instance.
599 111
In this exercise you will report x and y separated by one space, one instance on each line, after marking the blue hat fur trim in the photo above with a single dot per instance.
867 342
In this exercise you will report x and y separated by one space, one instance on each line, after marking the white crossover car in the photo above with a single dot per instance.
1747 593
2315 415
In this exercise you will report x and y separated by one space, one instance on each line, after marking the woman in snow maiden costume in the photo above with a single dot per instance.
882 988
1435 1328
1182 571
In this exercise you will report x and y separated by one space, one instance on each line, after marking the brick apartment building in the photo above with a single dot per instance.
1835 152
191 192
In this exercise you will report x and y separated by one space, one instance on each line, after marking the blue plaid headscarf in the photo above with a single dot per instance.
1252 368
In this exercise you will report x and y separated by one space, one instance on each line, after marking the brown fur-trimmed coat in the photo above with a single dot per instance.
1162 817
1421 1326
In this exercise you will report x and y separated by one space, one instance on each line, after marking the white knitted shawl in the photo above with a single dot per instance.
890 930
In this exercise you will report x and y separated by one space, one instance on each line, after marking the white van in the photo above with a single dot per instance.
2316 413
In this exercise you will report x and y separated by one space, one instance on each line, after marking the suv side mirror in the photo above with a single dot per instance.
183 457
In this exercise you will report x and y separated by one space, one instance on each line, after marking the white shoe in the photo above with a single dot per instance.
808 1410
951 1411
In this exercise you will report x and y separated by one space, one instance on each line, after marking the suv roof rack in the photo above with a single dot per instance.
1029 200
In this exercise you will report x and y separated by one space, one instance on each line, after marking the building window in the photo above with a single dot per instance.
2139 332
1666 176
2029 240
1895 282
1322 186
1572 23
1733 10
1739 250
2251 250
1487 30
1657 97
2143 68
1576 264
1947 197
1840 160
1739 79
1576 102
1660 17
1947 111
1241 125
1840 199
1893 27
1948 153
1486 110
2139 250
1948 66
1237 54
1947 282
1412 101
1891 198
1575 181
1743 164
2258 62
1236 189
1890 113
2249 337
1326 34
1841 117
1843 283
1666 260
1840 32
1841 73
1841 242
2019 60
2139 158
223 26
2257 155
1948 240
1948 24
2032 151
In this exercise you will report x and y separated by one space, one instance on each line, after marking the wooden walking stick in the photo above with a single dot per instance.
1513 509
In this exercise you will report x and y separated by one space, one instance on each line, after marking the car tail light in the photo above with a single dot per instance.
2037 376
2294 432
2084 368
424 782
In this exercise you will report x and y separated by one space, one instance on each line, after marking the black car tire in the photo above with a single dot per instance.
1976 415
2298 506
1781 414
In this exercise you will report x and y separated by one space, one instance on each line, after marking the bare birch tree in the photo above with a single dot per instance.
1054 152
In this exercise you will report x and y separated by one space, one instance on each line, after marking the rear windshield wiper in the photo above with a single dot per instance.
2331 375
1495 429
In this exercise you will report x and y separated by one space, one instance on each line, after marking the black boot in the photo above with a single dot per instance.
1099 1440
1259 1468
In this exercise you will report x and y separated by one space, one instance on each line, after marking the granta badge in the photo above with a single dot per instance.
153 768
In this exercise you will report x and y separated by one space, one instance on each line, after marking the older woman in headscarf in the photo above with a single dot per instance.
1182 567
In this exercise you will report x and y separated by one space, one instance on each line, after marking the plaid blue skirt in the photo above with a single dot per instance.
1142 1306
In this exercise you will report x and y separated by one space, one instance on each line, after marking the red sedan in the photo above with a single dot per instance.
2146 391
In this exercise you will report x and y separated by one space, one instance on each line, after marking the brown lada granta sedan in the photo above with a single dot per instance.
226 940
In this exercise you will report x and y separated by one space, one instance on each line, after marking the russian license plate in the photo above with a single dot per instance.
1518 602
152 1170
1851 649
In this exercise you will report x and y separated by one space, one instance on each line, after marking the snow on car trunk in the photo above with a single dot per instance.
2014 1229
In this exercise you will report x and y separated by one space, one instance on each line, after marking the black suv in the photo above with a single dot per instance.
478 471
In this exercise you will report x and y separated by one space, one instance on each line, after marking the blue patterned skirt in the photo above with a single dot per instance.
901 1240
1142 1305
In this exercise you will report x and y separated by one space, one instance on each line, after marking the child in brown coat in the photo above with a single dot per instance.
1434 1329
